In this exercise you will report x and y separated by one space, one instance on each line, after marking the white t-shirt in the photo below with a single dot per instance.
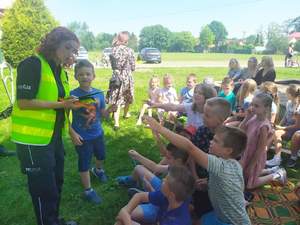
193 118
168 95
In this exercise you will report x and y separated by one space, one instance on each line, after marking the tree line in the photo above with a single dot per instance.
28 21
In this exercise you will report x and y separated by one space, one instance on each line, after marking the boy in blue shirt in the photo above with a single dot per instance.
172 200
86 131
227 87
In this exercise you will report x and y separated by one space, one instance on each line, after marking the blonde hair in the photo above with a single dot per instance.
167 76
227 80
268 61
270 88
154 77
192 76
293 90
234 61
121 39
248 87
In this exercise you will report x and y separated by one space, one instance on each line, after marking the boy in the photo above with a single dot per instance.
186 93
172 200
86 131
216 110
227 87
226 183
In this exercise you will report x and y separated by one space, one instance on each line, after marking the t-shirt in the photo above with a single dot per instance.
178 216
230 98
225 189
86 121
168 95
193 118
28 81
291 109
187 95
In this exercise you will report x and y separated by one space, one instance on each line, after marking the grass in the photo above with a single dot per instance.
15 204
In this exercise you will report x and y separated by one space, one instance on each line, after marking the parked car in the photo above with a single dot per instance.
82 54
105 57
151 55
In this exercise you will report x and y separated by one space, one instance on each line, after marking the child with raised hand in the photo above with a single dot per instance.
225 183
171 201
153 93
234 72
259 132
288 125
226 92
167 94
86 131
186 93
194 110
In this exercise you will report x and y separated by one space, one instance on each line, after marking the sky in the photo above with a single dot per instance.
240 17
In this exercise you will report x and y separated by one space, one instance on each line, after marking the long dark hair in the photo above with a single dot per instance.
53 39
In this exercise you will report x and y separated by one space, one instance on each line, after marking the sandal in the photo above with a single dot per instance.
126 181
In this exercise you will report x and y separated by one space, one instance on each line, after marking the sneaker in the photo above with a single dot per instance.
273 169
126 181
100 174
282 176
132 191
63 222
291 162
92 196
273 162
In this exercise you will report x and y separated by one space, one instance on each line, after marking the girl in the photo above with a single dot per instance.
259 132
153 93
194 110
271 89
266 72
288 125
234 70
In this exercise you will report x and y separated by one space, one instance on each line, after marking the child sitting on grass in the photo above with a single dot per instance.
227 91
186 93
86 131
194 110
153 93
172 201
225 183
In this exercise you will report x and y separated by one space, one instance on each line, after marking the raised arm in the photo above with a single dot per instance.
168 106
28 104
179 141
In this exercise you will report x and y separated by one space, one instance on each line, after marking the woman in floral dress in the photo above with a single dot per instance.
122 63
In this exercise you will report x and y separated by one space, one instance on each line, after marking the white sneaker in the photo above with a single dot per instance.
282 176
272 169
273 162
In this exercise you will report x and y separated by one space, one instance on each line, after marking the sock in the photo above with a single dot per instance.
88 190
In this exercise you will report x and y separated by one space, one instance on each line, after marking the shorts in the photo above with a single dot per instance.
87 149
211 219
156 183
150 213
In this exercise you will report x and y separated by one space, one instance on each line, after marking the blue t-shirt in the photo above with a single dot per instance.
178 216
230 98
86 121
187 95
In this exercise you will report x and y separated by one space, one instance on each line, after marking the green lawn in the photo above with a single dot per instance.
15 203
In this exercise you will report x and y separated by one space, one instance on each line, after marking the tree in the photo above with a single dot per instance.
294 25
23 26
86 37
220 33
277 39
251 40
207 37
297 46
155 36
182 42
133 42
103 40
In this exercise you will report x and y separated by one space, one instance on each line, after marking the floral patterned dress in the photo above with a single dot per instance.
123 63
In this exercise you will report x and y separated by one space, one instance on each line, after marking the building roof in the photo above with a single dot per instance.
295 35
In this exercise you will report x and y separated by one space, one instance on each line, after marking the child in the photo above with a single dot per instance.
225 184
194 110
244 98
86 131
172 201
271 89
153 93
186 93
167 95
295 150
234 72
227 91
288 125
259 132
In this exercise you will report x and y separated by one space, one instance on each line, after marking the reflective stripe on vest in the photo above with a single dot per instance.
35 127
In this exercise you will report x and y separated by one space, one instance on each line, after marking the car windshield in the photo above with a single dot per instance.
151 51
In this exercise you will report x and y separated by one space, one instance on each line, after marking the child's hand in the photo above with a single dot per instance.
133 154
201 184
249 113
279 127
154 125
75 137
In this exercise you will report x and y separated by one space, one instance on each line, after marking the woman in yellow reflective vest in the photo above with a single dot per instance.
38 120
